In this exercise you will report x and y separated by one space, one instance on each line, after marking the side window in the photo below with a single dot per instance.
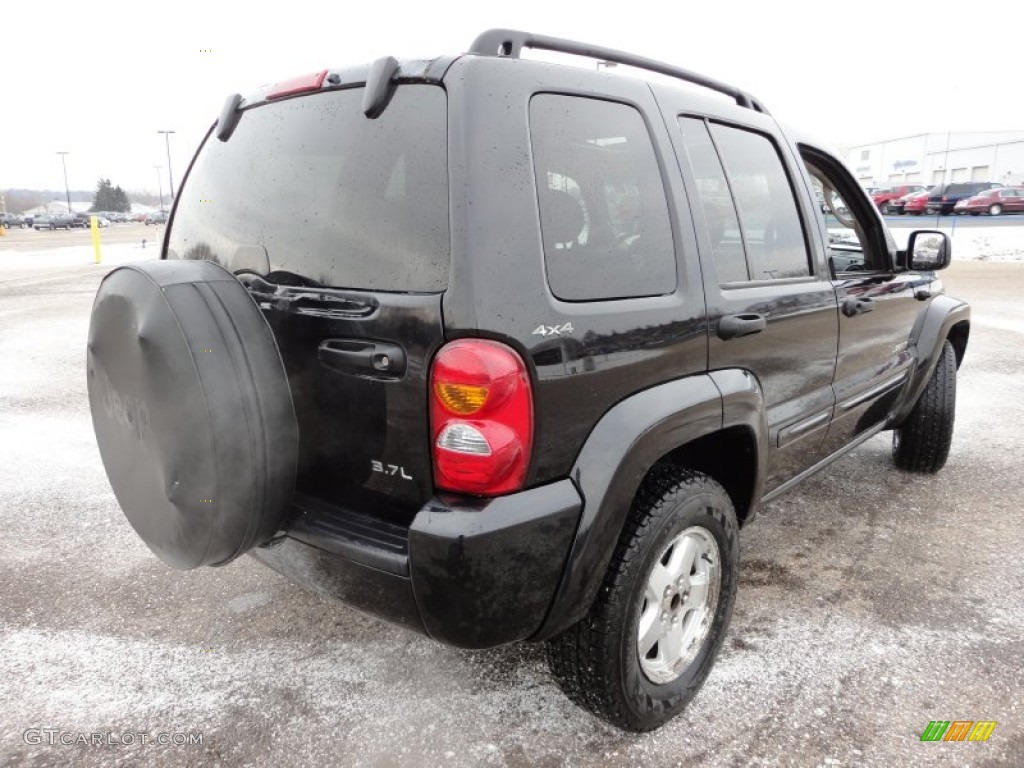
853 238
603 210
723 225
772 230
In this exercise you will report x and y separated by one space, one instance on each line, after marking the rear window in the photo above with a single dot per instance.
310 186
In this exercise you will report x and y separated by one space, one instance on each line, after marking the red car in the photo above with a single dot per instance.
917 203
994 202
885 196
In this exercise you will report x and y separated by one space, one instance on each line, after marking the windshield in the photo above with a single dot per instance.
311 187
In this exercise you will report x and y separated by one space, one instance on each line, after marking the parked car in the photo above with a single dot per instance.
884 198
157 217
917 204
943 200
11 220
538 409
994 202
84 220
54 221
895 207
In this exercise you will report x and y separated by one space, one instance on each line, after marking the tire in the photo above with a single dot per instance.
886 209
995 210
922 442
192 410
597 662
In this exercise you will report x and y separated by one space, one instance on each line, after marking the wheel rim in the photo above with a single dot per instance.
995 210
679 605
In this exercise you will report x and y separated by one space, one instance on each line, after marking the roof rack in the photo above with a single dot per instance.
509 43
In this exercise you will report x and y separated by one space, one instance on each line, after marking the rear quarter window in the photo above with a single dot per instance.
603 210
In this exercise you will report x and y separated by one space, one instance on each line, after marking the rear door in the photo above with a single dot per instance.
771 310
338 225
1012 199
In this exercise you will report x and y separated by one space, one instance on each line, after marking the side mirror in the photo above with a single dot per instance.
928 250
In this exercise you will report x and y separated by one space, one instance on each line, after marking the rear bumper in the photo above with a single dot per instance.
473 573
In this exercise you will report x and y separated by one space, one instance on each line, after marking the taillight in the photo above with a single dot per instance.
296 85
481 418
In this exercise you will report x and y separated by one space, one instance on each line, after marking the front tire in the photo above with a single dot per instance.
651 637
922 442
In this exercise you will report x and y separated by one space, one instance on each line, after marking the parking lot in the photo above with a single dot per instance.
871 602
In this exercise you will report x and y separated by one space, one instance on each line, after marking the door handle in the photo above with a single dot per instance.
369 359
734 326
853 307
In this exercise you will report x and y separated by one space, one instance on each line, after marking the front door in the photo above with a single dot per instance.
878 303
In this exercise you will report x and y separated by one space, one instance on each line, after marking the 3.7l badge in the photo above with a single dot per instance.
392 470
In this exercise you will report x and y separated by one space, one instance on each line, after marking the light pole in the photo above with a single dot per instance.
67 193
167 141
159 185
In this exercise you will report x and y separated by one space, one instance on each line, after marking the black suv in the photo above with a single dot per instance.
943 200
504 350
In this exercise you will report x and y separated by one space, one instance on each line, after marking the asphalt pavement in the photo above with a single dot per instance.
871 602
46 239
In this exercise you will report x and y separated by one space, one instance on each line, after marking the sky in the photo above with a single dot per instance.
99 81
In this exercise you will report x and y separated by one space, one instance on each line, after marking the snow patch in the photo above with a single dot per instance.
76 255
975 243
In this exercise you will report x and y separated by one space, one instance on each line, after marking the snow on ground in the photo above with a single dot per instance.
75 255
990 243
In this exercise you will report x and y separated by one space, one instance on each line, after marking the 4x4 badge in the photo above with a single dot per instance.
553 330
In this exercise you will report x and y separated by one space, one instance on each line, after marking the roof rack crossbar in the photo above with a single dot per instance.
509 43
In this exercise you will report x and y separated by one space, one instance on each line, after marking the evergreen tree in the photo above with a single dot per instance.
103 199
110 198
121 201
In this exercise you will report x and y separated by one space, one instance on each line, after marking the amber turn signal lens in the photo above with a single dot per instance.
462 399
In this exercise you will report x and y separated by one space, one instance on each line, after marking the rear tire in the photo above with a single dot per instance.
995 210
673 574
922 442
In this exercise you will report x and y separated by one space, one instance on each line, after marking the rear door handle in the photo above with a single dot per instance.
368 359
734 326
853 307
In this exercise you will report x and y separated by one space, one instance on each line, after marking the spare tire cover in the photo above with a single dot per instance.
192 410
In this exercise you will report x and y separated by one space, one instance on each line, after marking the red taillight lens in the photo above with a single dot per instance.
481 418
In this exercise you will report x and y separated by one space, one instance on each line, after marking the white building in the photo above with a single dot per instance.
941 158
